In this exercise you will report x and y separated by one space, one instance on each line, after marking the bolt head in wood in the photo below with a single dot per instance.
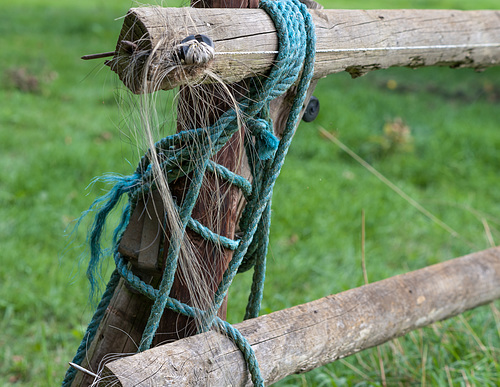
312 110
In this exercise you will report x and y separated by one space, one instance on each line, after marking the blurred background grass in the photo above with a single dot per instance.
433 132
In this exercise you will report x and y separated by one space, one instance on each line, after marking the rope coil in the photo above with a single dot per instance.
297 47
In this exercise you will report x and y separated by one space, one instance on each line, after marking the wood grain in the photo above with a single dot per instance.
307 336
364 40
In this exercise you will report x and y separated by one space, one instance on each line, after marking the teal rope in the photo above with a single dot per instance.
259 274
266 157
92 327
171 262
236 180
275 9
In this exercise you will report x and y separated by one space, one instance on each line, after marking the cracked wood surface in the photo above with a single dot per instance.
307 336
364 40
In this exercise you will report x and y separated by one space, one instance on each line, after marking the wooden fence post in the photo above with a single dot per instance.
218 211
121 328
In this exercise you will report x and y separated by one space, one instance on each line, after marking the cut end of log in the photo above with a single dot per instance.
132 52
150 58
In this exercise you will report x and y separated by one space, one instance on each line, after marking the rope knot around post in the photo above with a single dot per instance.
295 62
266 142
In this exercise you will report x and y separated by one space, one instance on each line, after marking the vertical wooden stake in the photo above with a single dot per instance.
227 202
219 211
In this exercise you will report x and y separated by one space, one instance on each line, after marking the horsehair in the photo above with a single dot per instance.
144 126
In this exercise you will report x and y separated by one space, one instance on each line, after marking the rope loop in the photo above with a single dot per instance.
294 61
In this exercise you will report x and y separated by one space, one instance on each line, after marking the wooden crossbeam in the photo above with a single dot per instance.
355 41
307 336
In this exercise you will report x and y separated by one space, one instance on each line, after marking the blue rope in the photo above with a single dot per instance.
296 53
92 327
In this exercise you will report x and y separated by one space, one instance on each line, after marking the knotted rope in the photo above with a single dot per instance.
296 53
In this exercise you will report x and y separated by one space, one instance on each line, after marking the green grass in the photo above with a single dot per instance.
65 129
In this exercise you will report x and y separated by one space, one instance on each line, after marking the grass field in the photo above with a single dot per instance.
432 132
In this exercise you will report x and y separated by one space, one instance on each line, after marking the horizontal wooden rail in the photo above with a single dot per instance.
308 336
348 40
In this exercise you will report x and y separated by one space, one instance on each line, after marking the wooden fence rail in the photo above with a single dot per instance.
307 336
356 41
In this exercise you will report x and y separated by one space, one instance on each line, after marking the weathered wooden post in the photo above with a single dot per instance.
219 211
123 324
